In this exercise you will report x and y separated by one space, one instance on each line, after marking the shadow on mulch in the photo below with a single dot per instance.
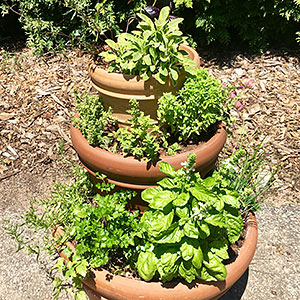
227 57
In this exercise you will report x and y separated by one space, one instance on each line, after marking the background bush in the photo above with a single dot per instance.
254 23
55 24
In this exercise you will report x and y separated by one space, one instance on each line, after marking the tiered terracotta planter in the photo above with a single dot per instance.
104 285
116 89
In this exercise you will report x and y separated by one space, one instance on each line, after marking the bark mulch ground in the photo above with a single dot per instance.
36 106
37 103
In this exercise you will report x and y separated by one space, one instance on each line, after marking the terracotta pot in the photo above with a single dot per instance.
116 89
131 173
104 285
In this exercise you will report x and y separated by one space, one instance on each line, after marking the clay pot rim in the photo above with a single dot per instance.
93 67
121 184
180 290
221 130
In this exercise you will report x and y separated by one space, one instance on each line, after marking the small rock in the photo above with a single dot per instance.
52 128
262 86
255 108
239 72
6 116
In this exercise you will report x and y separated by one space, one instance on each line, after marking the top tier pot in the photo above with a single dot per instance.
116 89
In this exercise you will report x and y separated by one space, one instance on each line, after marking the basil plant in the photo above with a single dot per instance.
152 49
188 226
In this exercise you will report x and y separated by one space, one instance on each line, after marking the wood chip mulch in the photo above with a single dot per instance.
37 103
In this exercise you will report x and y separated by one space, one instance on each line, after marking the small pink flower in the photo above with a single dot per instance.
232 94
224 85
239 105
236 146
247 82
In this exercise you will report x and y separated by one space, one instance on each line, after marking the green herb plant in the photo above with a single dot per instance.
152 49
188 226
249 173
94 122
184 234
103 229
142 139
199 104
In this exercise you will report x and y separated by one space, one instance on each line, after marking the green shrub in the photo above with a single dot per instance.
143 139
94 121
252 23
188 226
54 24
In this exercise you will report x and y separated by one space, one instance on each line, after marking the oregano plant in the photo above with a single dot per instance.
142 139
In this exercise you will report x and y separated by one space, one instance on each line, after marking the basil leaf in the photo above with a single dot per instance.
216 220
215 267
218 204
209 182
187 271
191 230
167 169
234 225
198 258
167 265
154 223
205 275
231 200
171 236
162 199
182 199
148 194
182 213
187 250
204 231
146 265
220 248
167 183
202 193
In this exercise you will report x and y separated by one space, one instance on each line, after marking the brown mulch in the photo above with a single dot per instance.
37 102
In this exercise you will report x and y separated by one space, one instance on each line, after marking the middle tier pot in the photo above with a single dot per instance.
128 172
